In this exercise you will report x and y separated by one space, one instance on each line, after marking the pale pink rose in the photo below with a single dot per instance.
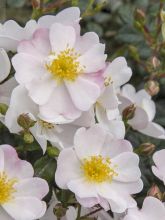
100 169
11 33
20 193
60 135
153 209
144 113
159 168
61 71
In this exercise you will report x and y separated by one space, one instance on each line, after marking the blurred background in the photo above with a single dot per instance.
130 28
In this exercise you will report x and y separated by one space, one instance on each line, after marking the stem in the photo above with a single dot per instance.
91 213
79 212
54 5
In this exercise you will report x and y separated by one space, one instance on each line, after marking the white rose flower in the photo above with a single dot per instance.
59 134
20 193
144 113
61 71
115 75
100 169
153 209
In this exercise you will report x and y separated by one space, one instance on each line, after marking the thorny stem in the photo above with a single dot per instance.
91 213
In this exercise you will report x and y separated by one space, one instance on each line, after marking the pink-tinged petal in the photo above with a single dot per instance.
61 37
86 119
41 140
4 215
49 215
115 127
15 109
40 90
140 119
117 202
97 78
1 160
113 148
68 168
135 216
89 142
159 169
59 108
85 42
118 194
94 59
124 103
11 34
27 68
87 202
82 188
150 108
4 64
153 208
157 172
129 92
25 208
13 166
6 89
119 72
140 95
85 88
127 187
35 187
154 130
71 213
158 158
127 167
108 98
38 46
68 16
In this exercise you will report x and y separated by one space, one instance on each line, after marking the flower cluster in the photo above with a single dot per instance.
65 93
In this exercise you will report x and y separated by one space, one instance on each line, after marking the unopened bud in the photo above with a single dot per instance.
154 191
134 52
59 210
28 138
146 149
36 3
139 15
138 25
129 112
155 62
152 87
3 108
25 121
53 151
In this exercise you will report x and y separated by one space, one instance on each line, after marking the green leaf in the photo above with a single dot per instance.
16 3
45 168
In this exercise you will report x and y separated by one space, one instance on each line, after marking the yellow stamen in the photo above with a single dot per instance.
65 66
97 169
6 188
107 81
45 124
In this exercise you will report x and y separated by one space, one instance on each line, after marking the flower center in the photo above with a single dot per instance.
64 66
45 124
6 188
97 169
